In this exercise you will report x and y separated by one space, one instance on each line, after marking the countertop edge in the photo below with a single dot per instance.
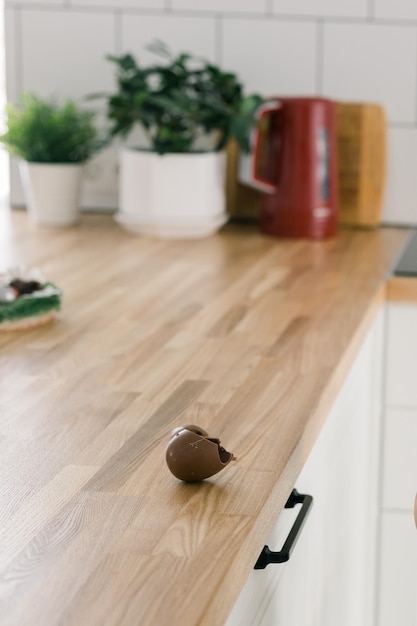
402 289
287 479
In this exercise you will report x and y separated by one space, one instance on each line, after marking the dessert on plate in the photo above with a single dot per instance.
27 300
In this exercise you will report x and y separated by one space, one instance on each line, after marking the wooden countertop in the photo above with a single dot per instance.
246 336
402 289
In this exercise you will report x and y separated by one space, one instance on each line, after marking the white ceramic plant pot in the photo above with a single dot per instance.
52 192
172 196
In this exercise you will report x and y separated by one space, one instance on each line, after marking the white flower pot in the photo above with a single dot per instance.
172 196
52 192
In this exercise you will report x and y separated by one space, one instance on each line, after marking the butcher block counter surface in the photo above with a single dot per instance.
245 336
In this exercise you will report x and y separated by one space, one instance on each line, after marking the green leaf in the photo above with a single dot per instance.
178 98
160 48
125 62
44 131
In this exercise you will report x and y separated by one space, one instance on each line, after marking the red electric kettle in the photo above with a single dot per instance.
293 160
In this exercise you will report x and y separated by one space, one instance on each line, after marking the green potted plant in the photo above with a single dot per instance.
52 141
172 182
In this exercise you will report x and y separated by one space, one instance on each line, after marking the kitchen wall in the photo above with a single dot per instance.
4 166
362 50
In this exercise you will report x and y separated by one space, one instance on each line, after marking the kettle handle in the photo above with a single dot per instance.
248 163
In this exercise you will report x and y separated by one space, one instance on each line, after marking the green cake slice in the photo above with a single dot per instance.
31 309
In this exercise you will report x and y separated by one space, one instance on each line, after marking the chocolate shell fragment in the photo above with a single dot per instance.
192 455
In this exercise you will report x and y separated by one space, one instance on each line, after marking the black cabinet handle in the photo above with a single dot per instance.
267 556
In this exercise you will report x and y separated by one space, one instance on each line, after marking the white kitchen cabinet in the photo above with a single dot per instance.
397 588
398 580
401 361
329 578
258 598
400 458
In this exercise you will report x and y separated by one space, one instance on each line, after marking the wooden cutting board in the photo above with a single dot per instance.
361 139
242 202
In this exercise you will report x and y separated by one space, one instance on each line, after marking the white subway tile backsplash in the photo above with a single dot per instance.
271 57
11 32
16 190
319 8
181 34
370 62
277 47
64 52
396 9
400 206
240 6
100 180
57 3
121 4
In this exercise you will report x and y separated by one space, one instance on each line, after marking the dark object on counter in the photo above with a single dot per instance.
407 264
293 161
24 287
192 455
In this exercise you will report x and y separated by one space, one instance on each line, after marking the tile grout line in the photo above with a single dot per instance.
319 56
86 8
269 8
394 124
167 8
371 10
118 32
415 78
218 39
19 51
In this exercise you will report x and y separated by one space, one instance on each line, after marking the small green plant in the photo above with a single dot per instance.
43 131
177 100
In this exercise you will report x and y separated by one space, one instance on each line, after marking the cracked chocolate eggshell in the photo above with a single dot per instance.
192 455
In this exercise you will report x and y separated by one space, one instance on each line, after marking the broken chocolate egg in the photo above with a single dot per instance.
192 455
